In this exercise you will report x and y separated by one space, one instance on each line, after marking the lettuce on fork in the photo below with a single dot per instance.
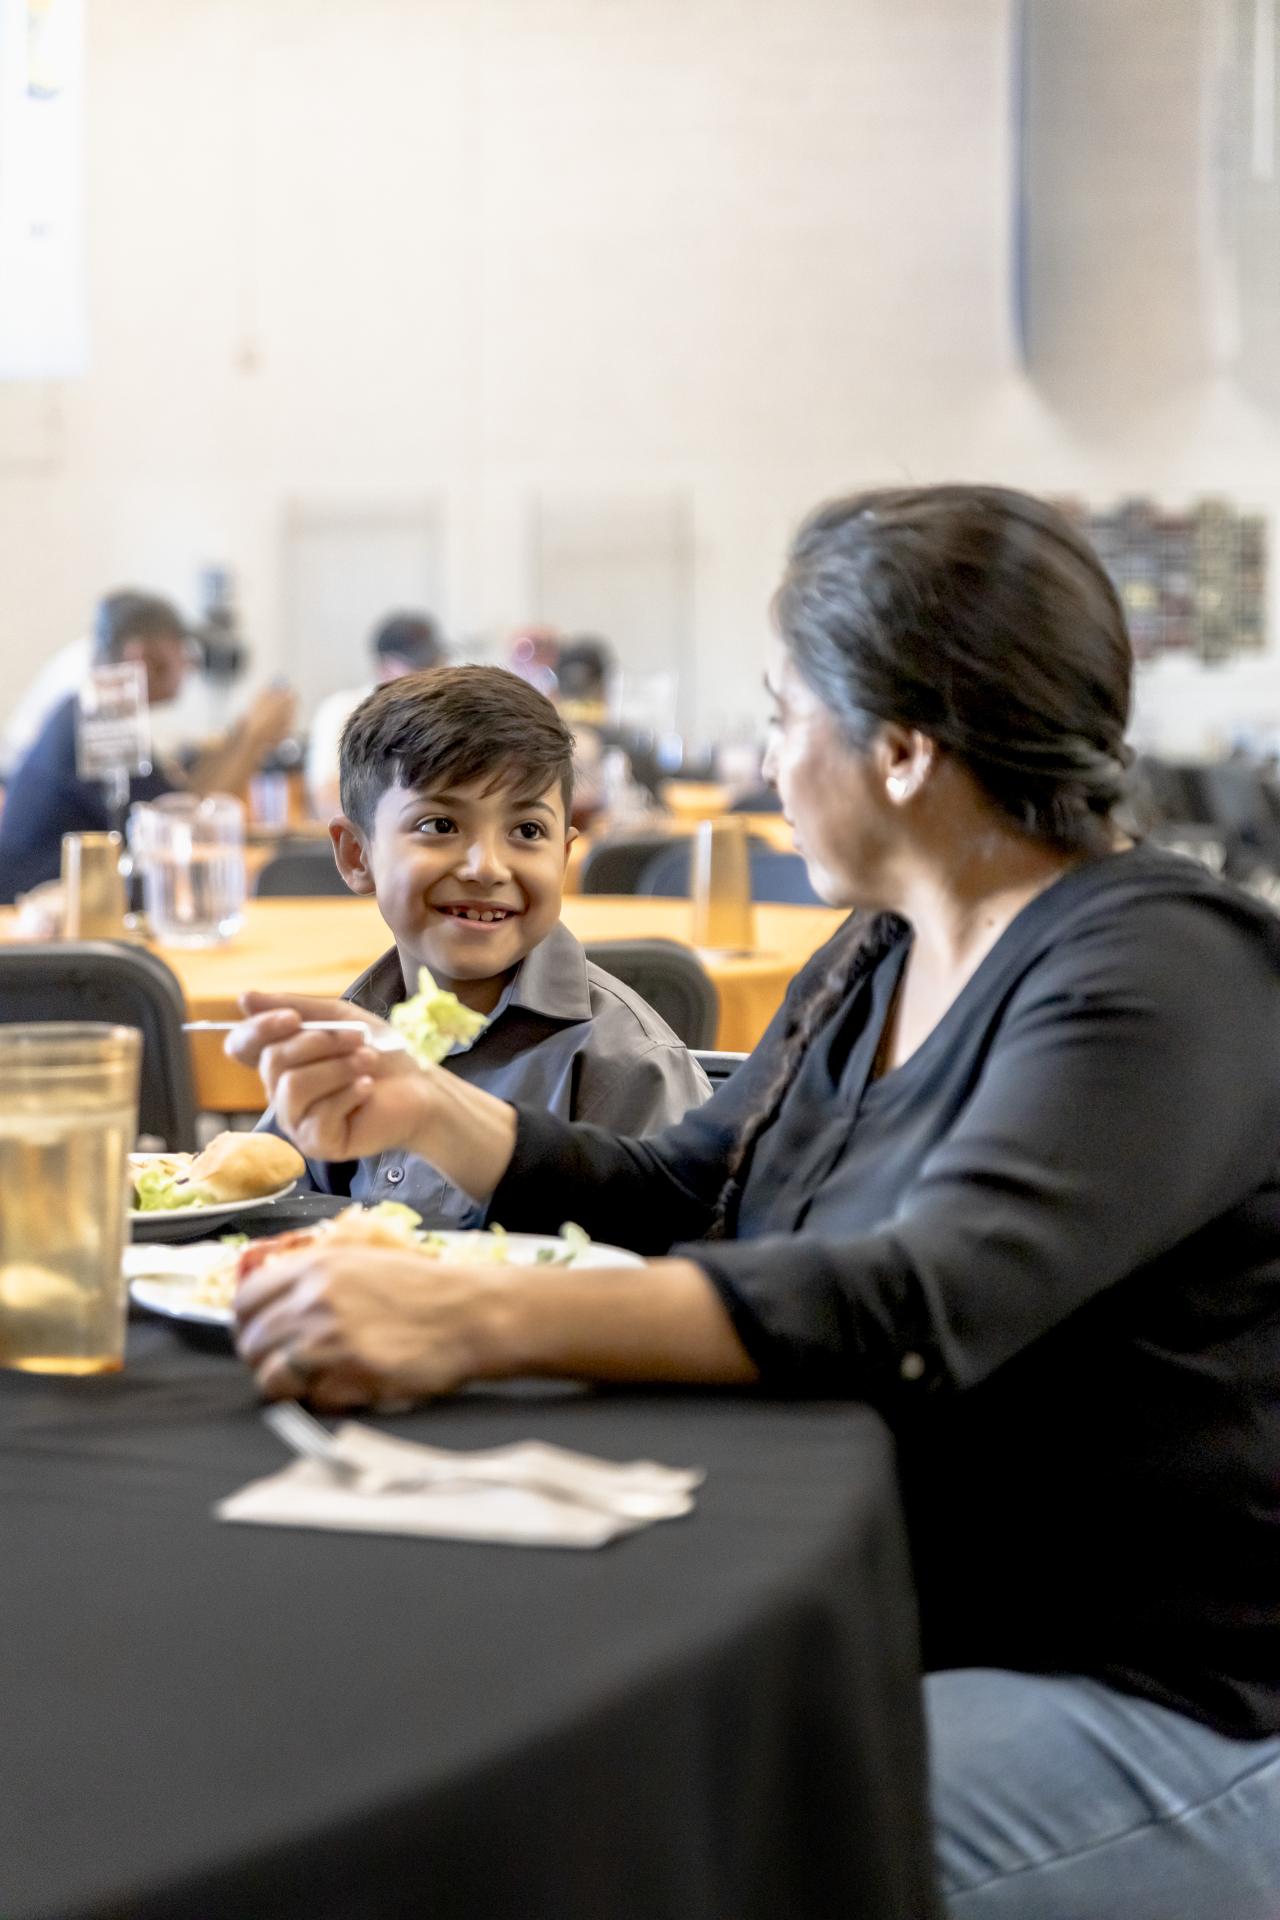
432 1022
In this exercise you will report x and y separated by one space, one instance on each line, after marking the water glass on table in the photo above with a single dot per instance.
68 1117
190 850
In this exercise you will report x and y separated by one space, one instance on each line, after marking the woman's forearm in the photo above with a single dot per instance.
663 1321
465 1133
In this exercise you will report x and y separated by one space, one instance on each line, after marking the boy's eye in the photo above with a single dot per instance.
436 823
531 830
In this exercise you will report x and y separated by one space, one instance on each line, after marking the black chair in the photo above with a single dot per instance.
779 877
758 800
717 1066
1171 792
614 865
1238 803
671 978
127 987
300 872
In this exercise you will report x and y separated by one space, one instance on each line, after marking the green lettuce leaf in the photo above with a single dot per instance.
157 1191
433 1022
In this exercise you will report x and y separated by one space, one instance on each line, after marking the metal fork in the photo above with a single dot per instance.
295 1426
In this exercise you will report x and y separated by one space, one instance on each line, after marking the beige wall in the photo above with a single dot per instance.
503 253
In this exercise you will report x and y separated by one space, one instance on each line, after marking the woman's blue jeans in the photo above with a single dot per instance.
1061 1799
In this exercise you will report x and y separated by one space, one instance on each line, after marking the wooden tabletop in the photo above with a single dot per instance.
318 946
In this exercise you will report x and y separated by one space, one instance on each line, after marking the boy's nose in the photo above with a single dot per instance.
483 860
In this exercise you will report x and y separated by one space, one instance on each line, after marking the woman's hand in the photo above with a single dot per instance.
336 1096
352 1325
348 1325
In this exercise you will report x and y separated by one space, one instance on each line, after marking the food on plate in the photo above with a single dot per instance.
389 1224
433 1021
234 1166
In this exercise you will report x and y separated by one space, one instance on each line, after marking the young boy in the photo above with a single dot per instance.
456 786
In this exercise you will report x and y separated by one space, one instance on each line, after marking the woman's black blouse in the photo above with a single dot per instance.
1047 1247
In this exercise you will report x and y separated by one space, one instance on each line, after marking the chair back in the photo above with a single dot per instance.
301 872
671 978
717 1066
614 865
1239 804
778 877
125 986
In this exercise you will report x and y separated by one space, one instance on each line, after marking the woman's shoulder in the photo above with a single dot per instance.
1141 891
1149 921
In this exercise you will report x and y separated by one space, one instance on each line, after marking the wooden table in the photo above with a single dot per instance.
320 945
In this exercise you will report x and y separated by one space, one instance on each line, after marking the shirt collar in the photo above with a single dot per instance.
551 981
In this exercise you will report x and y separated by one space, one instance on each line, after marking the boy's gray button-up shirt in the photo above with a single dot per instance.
566 1037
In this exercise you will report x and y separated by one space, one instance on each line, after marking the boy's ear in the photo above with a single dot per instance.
570 835
349 852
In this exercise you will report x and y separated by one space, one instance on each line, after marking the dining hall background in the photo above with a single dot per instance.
565 311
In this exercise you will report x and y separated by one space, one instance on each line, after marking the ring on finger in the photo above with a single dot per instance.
299 1365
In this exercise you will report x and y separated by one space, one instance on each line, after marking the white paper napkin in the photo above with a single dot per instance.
514 1512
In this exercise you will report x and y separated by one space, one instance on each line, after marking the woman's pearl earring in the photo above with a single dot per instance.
899 785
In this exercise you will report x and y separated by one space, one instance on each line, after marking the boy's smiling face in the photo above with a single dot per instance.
468 880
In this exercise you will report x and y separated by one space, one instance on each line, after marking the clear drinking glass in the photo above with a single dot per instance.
68 1117
191 852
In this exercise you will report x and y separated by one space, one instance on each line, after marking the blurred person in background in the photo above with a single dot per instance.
402 643
586 671
46 796
533 652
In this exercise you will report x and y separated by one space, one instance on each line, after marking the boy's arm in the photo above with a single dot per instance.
321 1176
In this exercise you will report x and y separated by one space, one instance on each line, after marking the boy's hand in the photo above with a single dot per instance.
335 1097
270 1017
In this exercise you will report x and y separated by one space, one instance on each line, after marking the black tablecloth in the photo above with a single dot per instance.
715 1719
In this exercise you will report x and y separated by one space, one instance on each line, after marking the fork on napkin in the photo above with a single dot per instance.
529 1494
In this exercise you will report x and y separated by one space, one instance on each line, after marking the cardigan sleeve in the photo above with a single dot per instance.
643 1194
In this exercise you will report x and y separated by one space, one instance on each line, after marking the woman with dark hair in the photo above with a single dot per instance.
1005 1166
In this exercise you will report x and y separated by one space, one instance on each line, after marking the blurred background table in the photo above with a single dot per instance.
320 946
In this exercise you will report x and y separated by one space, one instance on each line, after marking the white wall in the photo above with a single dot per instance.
498 252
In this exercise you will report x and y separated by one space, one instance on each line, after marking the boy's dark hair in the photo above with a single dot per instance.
452 726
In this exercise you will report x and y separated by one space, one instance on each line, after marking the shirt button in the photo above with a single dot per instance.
912 1367
394 1176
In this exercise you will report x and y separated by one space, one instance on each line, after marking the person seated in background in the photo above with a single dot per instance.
402 643
584 671
1005 1167
46 796
456 788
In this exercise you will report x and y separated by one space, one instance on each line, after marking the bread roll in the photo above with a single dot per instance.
242 1166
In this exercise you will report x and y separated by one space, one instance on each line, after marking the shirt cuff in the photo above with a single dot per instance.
817 1320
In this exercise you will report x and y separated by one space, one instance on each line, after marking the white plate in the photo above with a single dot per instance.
220 1210
165 1279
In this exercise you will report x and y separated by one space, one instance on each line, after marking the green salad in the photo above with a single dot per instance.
432 1022
156 1190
